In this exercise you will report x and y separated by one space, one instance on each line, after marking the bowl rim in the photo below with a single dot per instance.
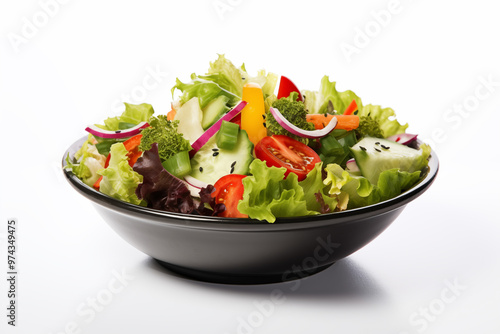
238 224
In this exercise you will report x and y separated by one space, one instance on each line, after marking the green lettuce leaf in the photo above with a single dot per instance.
361 192
313 185
268 195
205 90
317 102
386 119
119 179
223 78
133 114
266 81
87 162
226 75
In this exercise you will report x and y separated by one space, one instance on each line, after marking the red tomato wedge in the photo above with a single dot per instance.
287 87
229 191
283 151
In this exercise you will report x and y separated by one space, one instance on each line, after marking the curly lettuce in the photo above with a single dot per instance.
385 118
269 195
361 192
133 115
87 162
316 102
119 179
223 78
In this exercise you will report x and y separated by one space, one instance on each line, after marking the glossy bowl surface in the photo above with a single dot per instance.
246 251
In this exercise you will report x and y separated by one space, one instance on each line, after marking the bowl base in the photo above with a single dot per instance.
236 279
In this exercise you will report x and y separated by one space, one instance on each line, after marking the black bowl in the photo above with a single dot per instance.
247 251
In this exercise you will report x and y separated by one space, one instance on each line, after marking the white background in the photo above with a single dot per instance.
426 60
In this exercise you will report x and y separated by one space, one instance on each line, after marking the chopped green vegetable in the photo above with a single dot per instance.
165 134
227 136
178 164
295 112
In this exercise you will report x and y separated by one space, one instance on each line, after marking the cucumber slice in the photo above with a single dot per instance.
214 110
375 155
211 163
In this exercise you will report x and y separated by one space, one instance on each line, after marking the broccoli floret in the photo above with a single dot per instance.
164 133
368 127
295 112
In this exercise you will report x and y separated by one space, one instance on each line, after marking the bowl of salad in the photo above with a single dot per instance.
248 179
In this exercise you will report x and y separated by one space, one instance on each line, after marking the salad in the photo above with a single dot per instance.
231 147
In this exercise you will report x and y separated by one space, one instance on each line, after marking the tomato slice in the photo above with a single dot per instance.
228 191
283 151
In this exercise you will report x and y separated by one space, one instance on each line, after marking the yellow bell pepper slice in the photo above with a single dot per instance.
252 116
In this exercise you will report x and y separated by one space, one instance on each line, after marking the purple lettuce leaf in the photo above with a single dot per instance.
160 189
206 198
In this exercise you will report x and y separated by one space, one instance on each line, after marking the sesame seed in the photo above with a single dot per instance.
376 149
377 143
215 154
361 147
234 163
118 131
232 170
385 147
215 149
200 169
264 124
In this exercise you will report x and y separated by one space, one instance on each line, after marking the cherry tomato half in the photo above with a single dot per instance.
283 151
228 191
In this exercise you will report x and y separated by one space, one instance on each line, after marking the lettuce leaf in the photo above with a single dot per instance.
119 179
268 195
87 162
314 191
225 74
133 114
223 78
317 102
160 189
360 192
204 90
386 119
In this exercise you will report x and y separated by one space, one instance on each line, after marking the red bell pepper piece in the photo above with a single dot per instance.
287 87
351 108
